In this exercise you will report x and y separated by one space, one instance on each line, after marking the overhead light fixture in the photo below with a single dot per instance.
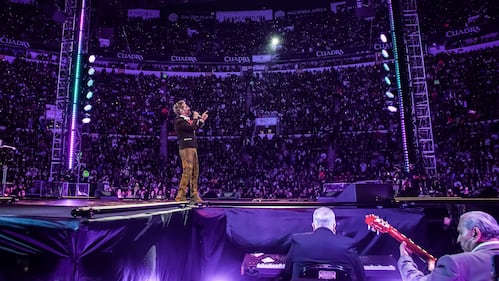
386 67
383 38
388 81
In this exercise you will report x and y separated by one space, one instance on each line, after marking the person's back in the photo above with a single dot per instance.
323 246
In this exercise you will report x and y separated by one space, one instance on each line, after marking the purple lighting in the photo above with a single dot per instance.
76 89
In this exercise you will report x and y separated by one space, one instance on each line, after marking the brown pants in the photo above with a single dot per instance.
190 174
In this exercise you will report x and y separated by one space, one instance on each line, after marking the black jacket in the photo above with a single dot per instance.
186 132
323 246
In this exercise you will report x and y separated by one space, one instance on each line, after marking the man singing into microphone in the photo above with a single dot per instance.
185 127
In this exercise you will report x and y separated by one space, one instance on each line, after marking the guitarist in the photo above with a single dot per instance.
479 239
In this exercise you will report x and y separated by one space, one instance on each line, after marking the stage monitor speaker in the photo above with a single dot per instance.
105 195
333 192
363 193
367 193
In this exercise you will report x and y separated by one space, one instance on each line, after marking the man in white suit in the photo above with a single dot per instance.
479 239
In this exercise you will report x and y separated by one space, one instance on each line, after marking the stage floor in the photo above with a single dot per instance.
80 208
96 208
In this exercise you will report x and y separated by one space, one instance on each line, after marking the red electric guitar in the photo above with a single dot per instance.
379 225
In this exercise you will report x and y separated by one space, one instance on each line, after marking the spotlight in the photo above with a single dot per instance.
85 104
392 108
388 81
386 66
383 38
275 43
389 94
384 53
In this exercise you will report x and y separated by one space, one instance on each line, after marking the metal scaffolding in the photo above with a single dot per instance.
418 86
77 16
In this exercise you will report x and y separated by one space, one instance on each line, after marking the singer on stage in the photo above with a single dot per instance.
185 128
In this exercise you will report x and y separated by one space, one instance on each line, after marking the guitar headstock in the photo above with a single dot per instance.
376 223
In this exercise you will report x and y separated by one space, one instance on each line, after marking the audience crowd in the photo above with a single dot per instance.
33 24
298 34
343 27
469 14
333 125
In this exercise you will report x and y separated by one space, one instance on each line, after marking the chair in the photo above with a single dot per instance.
325 272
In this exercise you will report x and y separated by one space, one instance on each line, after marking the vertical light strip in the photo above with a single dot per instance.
399 84
76 88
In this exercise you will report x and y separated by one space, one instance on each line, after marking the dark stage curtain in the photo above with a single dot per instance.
145 247
201 244
228 234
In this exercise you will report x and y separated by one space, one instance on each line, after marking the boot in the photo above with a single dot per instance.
195 198
182 190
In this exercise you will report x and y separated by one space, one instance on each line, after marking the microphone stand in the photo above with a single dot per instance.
4 170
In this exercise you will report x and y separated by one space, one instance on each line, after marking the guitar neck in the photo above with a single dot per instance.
411 245
376 223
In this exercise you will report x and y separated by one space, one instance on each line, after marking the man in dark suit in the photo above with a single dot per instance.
185 128
323 246
479 239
